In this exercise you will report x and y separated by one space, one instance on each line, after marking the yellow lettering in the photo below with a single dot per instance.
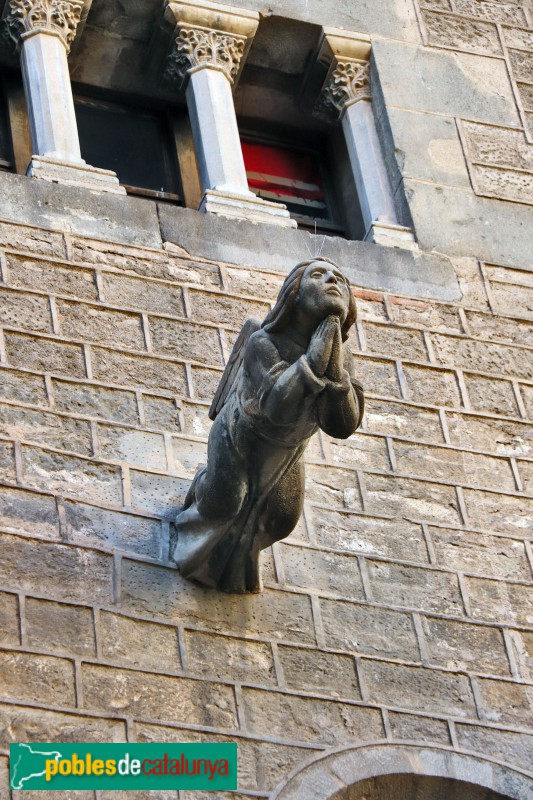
65 767
98 767
50 768
110 766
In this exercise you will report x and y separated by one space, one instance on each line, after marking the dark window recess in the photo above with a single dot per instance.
134 143
6 153
294 177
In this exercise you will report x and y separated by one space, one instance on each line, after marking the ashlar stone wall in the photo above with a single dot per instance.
401 608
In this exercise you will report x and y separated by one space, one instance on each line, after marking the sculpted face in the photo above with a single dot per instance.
323 291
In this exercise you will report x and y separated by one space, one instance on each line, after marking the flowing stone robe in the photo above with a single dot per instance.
251 492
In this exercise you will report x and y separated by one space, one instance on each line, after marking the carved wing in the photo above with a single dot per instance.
233 367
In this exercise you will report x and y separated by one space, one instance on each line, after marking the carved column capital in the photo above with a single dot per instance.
348 82
61 17
195 47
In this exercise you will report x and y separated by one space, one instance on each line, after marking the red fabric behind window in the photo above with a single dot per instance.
281 170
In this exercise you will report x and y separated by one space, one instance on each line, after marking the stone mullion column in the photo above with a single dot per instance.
208 46
43 31
346 96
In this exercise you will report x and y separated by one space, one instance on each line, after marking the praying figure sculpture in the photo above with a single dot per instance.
287 377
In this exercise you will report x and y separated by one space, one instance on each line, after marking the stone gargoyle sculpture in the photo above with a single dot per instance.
286 377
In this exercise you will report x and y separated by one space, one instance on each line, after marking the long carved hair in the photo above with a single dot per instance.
279 317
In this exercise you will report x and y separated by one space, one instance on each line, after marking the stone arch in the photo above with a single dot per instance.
415 770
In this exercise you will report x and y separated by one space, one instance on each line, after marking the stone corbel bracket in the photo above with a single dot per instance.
22 18
198 33
346 57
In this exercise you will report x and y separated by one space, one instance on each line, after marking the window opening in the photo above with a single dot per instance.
295 176
6 150
135 143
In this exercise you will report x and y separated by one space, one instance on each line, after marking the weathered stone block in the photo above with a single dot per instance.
511 299
188 456
237 659
454 84
7 461
522 647
418 729
454 466
95 324
47 355
30 311
97 527
499 512
436 387
526 472
430 316
159 495
163 697
162 592
46 428
464 218
490 326
306 719
509 13
138 448
400 342
138 643
495 601
95 401
9 619
37 725
28 511
195 419
516 748
503 184
366 629
60 571
506 702
360 451
525 91
23 387
403 420
413 587
481 554
416 500
183 340
225 309
377 375
369 535
419 689
497 146
483 356
491 395
37 679
327 572
205 383
473 291
457 33
315 671
332 486
459 646
120 290
522 65
161 413
247 281
113 366
261 763
57 626
147 263
527 396
78 477
493 435
49 276
40 241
